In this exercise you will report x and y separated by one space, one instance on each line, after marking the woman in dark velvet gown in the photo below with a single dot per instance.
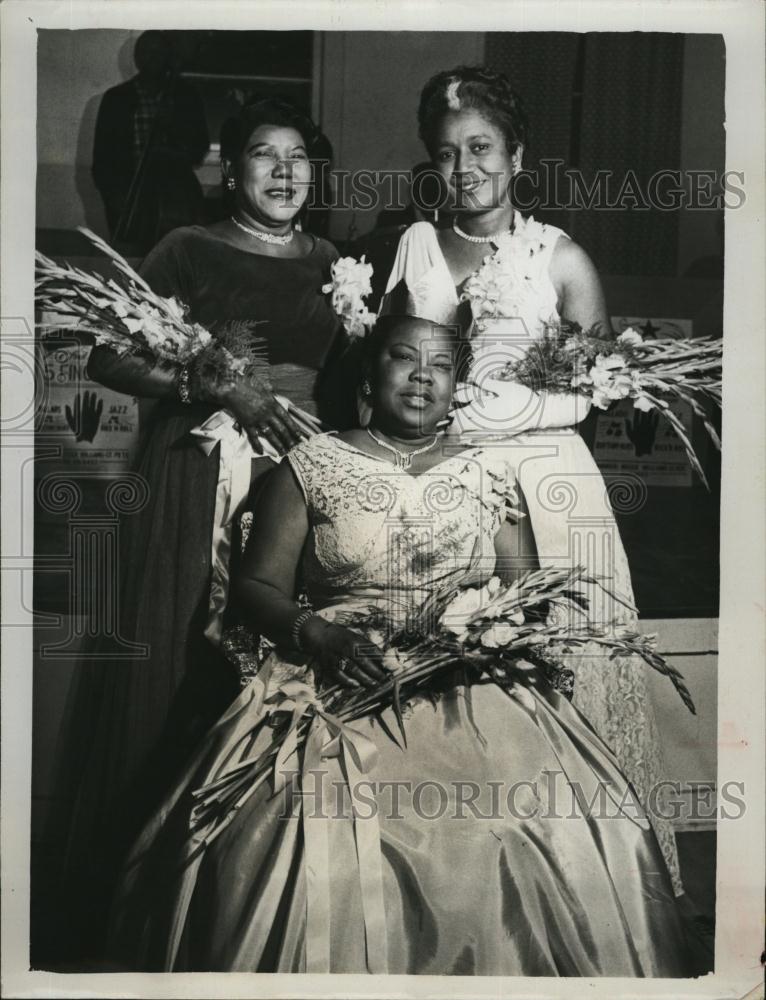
131 723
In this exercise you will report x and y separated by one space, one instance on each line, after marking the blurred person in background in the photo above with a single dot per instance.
150 134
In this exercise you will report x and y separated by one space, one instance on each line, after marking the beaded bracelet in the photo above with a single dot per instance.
183 385
295 631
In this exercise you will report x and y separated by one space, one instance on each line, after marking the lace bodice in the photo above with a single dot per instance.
376 530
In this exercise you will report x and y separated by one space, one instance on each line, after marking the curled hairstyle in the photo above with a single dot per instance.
475 87
373 345
236 131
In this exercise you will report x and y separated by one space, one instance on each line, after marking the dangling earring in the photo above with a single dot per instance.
366 388
230 183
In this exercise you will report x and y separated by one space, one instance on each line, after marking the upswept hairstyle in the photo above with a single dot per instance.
270 111
476 87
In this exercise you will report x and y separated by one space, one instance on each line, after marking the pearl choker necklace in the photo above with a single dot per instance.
402 459
280 241
479 239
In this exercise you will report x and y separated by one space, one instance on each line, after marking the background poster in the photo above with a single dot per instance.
627 440
94 427
86 440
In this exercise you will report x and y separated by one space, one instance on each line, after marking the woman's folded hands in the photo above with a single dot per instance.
344 655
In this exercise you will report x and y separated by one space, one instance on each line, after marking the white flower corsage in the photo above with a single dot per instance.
351 284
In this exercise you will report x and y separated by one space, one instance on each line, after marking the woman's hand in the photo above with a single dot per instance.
253 404
344 655
248 398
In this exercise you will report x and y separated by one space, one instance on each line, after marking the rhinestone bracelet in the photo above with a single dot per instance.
295 631
183 385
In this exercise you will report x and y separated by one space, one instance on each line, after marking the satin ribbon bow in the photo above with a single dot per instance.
329 737
234 460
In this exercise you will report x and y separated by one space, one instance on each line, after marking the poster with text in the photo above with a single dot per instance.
94 429
628 440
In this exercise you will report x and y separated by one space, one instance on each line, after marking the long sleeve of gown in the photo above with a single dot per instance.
507 408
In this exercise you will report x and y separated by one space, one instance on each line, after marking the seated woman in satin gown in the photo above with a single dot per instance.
475 130
420 884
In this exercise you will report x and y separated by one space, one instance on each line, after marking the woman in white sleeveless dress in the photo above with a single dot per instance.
474 129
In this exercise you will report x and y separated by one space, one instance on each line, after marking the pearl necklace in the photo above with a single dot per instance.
281 241
402 459
478 239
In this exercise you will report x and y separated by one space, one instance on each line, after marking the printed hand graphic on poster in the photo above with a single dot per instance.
641 429
93 428
635 442
85 416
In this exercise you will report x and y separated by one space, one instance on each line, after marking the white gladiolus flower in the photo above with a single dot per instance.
630 337
610 380
581 378
133 324
538 639
461 609
619 387
175 308
601 399
394 661
608 363
376 637
202 336
498 635
467 604
514 617
643 403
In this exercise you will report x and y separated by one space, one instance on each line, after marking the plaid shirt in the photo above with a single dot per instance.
143 119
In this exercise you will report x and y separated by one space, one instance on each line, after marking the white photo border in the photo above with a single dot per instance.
741 849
